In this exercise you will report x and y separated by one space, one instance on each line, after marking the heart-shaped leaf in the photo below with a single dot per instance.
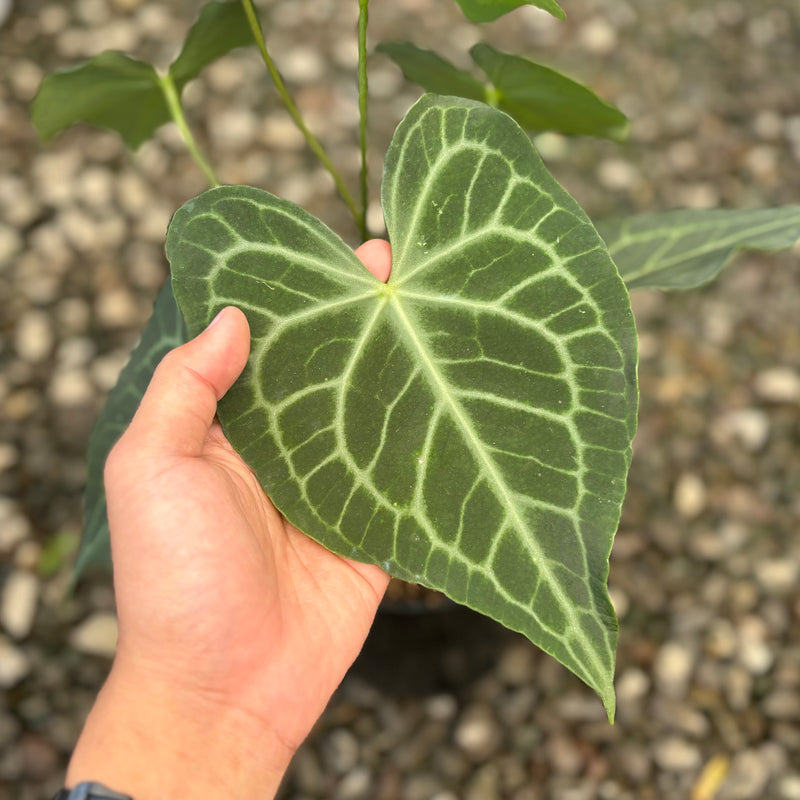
488 10
164 331
685 248
468 424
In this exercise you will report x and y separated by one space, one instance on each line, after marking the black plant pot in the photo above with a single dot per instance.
430 646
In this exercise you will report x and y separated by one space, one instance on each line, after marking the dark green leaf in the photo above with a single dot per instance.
432 72
220 28
541 99
111 90
685 248
487 10
468 424
164 331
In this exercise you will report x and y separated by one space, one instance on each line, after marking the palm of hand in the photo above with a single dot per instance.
212 584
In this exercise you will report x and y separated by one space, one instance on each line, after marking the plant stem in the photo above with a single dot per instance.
363 16
318 150
176 111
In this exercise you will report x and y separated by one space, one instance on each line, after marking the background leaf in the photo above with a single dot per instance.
537 97
466 426
541 99
432 72
113 90
685 248
487 10
164 331
110 90
220 28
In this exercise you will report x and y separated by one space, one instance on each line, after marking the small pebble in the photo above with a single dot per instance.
617 175
632 686
690 496
340 751
598 37
749 427
18 603
778 575
441 707
789 787
356 785
778 385
675 754
96 635
14 664
70 388
477 732
34 336
673 668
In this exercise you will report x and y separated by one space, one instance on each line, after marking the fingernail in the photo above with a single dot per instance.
216 319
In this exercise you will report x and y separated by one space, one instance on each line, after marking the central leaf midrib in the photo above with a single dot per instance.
475 445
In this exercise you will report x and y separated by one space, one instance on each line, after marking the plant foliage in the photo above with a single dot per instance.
466 426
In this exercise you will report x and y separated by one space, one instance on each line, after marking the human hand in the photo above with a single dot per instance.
234 627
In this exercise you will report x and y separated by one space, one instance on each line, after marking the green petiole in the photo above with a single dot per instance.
359 215
176 112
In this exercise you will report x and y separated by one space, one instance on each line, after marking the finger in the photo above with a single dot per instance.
179 405
376 255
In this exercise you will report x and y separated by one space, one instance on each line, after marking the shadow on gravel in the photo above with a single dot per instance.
427 652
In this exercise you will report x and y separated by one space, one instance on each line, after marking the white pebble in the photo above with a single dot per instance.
778 575
14 664
96 635
598 37
778 385
14 527
302 65
33 338
747 426
690 495
441 707
116 308
70 387
676 755
236 129
632 685
789 787
18 603
754 653
617 175
477 733
673 668
10 244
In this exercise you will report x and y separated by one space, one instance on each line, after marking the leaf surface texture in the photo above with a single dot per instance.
467 425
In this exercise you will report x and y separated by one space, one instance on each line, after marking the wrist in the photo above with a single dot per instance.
157 741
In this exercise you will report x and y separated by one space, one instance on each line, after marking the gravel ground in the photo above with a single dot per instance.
443 706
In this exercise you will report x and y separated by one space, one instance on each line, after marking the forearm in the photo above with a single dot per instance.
155 744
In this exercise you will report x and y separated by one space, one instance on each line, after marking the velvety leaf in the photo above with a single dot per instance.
467 425
164 331
220 28
685 248
110 90
432 72
541 99
487 10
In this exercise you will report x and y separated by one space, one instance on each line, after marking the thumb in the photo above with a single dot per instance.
179 405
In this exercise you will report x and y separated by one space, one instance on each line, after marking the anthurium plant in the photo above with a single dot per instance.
467 424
